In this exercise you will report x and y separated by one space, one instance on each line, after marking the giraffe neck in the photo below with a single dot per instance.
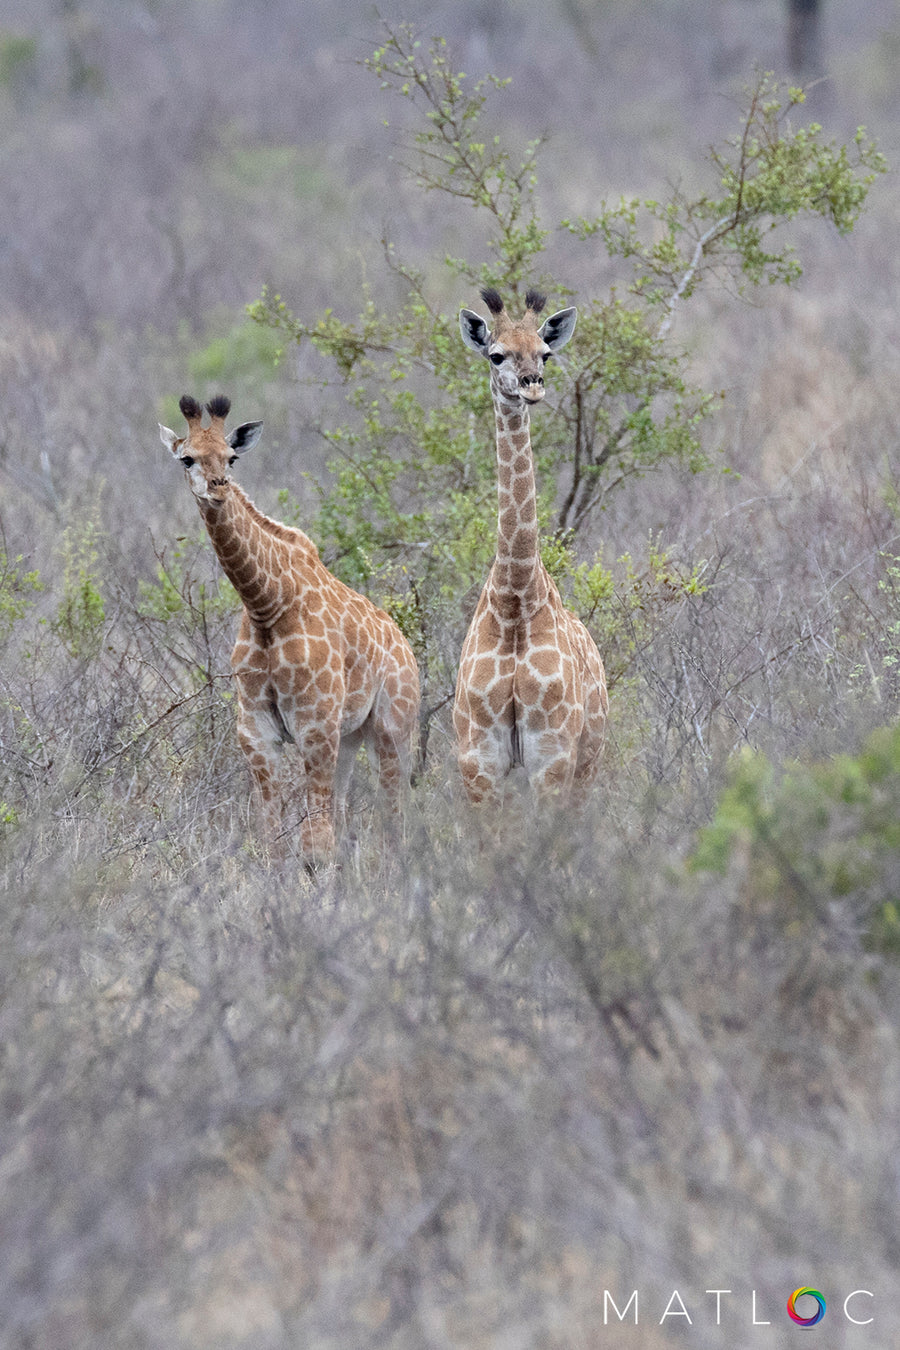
253 551
518 576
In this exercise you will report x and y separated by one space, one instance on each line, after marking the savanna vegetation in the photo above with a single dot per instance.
454 1091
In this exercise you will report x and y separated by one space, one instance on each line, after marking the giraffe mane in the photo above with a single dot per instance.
289 534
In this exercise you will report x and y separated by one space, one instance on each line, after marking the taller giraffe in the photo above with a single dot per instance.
531 688
315 663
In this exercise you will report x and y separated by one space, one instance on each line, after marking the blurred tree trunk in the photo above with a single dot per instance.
803 36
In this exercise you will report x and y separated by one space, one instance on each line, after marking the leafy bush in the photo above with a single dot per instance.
178 589
81 612
242 357
815 837
16 590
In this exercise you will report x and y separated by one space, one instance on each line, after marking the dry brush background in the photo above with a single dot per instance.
450 1094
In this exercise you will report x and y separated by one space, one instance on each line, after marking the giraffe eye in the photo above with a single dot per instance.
545 357
187 461
232 460
497 358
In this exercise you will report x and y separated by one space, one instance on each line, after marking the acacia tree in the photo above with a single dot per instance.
410 512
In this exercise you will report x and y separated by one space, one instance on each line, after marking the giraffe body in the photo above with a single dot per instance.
531 688
315 663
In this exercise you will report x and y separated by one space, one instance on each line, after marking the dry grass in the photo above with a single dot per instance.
444 1102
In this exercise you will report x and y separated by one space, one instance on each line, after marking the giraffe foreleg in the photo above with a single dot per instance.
261 741
319 747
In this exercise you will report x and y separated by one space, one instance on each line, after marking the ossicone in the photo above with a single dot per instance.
492 299
190 408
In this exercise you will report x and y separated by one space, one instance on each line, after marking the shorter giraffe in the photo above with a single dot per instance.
531 688
315 663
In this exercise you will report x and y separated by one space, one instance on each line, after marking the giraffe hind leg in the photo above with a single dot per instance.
343 777
591 743
485 761
393 755
549 758
390 735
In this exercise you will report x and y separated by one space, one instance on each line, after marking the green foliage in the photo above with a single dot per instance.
455 153
413 488
624 605
16 589
820 834
266 174
178 591
18 53
81 613
410 511
745 809
244 355
768 174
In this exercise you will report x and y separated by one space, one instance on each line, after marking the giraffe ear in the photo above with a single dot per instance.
557 330
169 439
474 331
244 437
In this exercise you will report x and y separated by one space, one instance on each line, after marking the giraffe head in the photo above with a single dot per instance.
517 349
207 453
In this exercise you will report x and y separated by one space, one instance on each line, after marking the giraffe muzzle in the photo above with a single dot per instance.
531 388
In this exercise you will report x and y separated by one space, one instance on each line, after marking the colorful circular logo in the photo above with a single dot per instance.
806 1321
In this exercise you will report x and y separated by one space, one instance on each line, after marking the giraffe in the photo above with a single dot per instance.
315 663
531 689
